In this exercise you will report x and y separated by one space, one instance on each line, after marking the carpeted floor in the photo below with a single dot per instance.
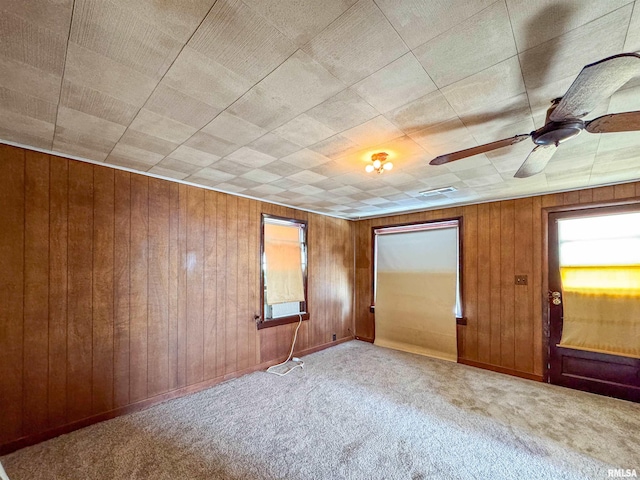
356 411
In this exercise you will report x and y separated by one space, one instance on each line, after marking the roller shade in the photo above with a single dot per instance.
416 287
283 264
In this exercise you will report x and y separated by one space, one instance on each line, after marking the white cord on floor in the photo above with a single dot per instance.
299 363
3 474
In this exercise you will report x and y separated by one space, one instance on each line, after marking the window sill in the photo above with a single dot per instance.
282 321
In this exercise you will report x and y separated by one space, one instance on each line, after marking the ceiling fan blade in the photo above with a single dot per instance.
536 161
615 122
595 83
470 152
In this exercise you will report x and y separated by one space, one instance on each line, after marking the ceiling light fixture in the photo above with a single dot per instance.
379 163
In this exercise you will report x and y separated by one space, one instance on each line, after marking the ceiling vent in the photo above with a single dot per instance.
437 191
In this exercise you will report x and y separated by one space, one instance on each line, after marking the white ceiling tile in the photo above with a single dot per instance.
261 176
241 40
20 128
374 132
536 22
397 84
179 106
117 33
89 69
134 153
84 145
212 144
306 177
418 21
450 57
335 147
32 44
193 156
54 15
162 127
305 159
29 80
147 142
274 145
496 83
451 133
89 125
565 56
96 103
304 130
166 172
632 43
179 166
178 19
201 77
211 174
250 158
27 105
300 20
296 85
233 129
357 44
343 111
422 113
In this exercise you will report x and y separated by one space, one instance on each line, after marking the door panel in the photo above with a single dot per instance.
602 373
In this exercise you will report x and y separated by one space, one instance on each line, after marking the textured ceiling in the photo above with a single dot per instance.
284 100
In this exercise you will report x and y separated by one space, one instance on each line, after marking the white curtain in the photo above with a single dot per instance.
416 283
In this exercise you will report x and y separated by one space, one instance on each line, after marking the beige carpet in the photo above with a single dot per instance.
356 411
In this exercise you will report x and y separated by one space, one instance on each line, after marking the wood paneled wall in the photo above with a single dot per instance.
504 328
118 288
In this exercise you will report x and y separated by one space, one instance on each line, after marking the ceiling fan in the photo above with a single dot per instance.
595 83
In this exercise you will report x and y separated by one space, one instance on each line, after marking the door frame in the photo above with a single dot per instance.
568 211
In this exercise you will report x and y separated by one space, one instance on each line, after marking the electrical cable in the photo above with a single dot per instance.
299 363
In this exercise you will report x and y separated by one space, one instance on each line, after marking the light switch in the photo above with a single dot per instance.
521 280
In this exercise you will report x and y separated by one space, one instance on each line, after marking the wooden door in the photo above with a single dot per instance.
605 374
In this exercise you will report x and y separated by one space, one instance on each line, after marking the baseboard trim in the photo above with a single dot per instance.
365 339
496 368
149 402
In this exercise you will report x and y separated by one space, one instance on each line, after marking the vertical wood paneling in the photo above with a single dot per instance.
182 286
221 281
536 295
12 183
231 299
243 316
484 283
507 307
626 190
523 241
195 295
139 289
121 285
158 318
210 285
103 308
254 278
470 280
36 292
496 284
174 267
80 294
57 372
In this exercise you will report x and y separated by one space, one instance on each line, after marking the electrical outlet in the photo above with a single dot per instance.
334 337
521 280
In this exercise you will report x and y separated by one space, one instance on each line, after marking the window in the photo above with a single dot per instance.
417 288
283 271
413 243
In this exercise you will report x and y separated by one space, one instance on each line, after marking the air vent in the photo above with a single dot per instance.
437 191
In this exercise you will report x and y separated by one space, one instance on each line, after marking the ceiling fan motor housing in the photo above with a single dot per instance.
554 133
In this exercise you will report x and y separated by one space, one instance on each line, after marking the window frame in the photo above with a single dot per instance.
263 322
461 319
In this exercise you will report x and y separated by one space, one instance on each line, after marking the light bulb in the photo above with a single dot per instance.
376 164
388 166
369 168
